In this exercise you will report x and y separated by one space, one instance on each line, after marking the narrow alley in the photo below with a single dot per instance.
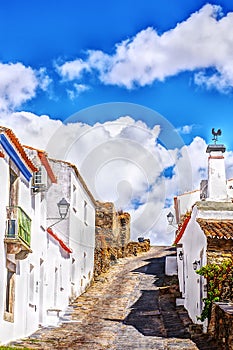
130 307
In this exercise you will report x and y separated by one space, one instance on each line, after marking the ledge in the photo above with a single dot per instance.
227 307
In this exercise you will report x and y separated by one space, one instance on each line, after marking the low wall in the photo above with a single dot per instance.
221 324
105 257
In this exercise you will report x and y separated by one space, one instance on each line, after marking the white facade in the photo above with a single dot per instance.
191 240
40 277
192 248
18 317
80 223
217 189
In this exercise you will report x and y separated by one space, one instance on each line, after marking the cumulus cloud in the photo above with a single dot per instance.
77 90
122 161
72 69
186 129
202 43
19 84
31 129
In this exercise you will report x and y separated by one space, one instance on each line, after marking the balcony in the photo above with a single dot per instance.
18 232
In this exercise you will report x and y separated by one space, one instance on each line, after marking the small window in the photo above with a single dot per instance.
85 212
14 188
74 201
31 285
10 292
40 178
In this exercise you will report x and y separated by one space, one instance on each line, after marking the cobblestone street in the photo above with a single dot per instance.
130 307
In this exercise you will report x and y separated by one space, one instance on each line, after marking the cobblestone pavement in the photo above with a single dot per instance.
130 307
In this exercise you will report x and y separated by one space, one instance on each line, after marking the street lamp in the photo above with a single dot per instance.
170 219
181 255
63 208
195 264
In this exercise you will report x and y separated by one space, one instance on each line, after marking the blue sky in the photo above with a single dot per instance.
49 33
148 73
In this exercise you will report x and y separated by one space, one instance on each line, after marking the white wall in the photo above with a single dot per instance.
186 201
25 315
82 237
194 248
49 277
217 190
171 266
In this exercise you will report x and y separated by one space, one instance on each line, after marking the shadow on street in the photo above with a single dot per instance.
155 312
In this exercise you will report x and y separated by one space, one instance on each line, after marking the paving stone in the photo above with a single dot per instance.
132 306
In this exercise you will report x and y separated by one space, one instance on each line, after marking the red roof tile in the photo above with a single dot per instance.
59 240
19 147
222 229
181 229
44 160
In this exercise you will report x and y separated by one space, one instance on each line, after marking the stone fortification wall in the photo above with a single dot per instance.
113 237
112 227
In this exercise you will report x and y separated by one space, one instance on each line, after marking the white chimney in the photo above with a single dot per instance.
217 188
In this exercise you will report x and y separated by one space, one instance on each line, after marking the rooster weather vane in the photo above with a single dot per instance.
216 134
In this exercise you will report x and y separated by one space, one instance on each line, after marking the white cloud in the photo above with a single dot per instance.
19 84
72 69
32 130
201 42
186 129
77 90
122 161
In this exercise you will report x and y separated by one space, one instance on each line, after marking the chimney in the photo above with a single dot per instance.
217 189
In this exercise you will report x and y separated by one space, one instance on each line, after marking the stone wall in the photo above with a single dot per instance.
113 237
221 324
112 227
219 250
108 256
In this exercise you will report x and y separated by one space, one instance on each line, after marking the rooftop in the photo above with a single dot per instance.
221 229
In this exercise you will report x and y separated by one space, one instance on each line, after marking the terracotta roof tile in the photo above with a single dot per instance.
181 228
59 240
18 146
222 229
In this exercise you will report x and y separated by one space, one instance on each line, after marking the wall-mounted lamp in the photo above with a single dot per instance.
181 255
170 219
63 208
195 264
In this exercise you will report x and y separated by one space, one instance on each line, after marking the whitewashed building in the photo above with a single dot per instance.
51 258
78 230
205 230
46 256
16 215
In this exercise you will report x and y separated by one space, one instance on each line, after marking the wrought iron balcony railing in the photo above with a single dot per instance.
18 225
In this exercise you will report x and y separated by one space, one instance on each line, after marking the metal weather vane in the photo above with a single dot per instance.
216 134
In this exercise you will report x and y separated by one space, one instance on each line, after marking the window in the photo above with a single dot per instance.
31 285
74 200
10 292
14 189
40 179
85 212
